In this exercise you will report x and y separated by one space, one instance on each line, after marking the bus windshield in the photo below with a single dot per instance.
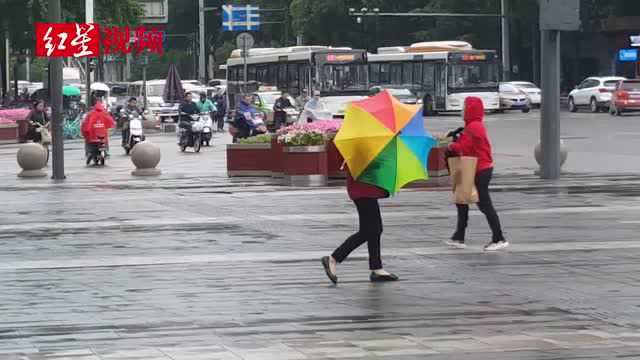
343 77
155 90
477 75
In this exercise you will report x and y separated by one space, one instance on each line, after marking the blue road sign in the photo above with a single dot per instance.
240 18
628 55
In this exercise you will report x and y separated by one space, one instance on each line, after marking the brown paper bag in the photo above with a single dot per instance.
463 173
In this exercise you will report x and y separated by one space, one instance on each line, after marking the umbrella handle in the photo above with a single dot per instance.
344 162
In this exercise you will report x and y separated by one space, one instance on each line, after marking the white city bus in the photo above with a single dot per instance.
442 73
339 74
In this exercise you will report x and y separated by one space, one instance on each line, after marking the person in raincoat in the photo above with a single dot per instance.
474 142
313 109
95 128
365 197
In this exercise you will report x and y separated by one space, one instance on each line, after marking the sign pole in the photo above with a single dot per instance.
89 19
506 51
550 109
55 89
244 61
245 42
145 62
202 50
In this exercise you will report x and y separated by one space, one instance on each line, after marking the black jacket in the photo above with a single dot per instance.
189 108
281 104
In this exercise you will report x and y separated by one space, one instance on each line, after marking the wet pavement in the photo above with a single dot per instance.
193 265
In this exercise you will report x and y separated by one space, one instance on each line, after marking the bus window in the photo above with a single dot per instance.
262 74
304 76
251 73
428 79
282 76
344 77
293 85
407 71
135 90
472 75
232 74
374 73
396 74
273 75
417 74
385 73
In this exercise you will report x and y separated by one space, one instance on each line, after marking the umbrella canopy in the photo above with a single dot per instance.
98 86
173 91
384 142
70 91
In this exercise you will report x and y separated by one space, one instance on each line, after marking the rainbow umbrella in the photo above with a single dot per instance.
384 142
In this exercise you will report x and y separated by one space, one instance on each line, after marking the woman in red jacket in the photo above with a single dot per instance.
365 197
474 142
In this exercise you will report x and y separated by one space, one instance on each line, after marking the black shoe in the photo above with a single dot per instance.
382 278
325 263
458 236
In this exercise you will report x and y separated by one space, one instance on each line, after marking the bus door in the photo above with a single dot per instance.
440 100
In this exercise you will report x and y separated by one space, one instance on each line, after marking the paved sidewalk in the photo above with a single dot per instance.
194 266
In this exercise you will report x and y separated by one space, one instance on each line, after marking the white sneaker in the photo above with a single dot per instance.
495 246
456 244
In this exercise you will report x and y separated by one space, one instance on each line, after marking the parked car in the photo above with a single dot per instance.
404 95
532 91
512 98
626 97
594 93
265 101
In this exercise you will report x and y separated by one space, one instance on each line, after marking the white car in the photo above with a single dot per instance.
533 92
593 92
512 98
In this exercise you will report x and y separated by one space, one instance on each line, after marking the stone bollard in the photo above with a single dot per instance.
32 158
145 156
537 153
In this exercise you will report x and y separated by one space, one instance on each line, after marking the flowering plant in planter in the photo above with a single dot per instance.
258 139
311 134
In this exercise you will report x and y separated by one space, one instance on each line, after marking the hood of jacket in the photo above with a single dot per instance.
473 110
99 106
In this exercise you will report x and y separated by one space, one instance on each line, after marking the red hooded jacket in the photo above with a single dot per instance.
474 141
97 125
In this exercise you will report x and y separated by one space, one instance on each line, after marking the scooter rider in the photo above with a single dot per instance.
205 105
131 108
186 109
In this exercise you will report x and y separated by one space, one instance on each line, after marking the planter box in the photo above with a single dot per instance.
334 162
437 170
305 165
277 158
9 134
249 160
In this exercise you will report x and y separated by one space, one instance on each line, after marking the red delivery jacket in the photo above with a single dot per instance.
97 125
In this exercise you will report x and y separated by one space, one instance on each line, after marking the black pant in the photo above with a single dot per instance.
485 205
125 135
220 120
369 232
279 119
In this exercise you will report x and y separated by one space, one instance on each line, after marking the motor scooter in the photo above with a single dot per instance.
135 132
97 152
192 137
207 130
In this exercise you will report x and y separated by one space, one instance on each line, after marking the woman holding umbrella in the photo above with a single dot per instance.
365 197
385 146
